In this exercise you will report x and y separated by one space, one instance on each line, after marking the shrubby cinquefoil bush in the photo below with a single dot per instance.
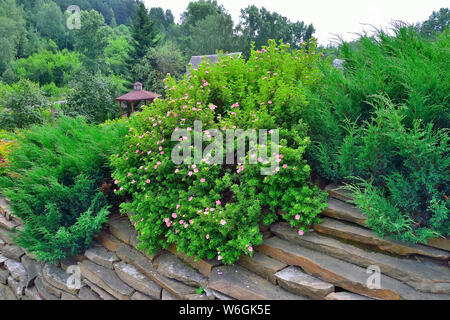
213 210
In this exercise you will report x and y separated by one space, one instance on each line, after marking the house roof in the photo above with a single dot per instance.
196 60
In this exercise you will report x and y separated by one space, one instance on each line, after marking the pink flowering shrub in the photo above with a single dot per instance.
213 210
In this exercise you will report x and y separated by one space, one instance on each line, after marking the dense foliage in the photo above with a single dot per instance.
53 180
401 151
213 210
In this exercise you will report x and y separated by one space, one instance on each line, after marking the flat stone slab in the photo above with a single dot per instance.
101 256
166 295
87 294
123 230
295 280
241 284
4 274
17 271
203 266
262 265
6 293
355 233
422 275
7 235
339 193
344 211
109 241
13 252
58 278
32 267
2 258
8 224
16 287
106 279
140 296
133 277
103 295
43 293
341 273
345 296
32 294
440 243
172 267
144 265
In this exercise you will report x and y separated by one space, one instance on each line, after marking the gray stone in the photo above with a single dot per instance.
241 284
58 278
423 275
4 274
345 296
106 279
68 296
144 265
344 211
87 294
17 271
31 294
16 287
365 236
43 293
123 230
13 252
6 293
2 258
262 265
8 224
170 266
32 267
134 278
103 295
166 295
140 296
338 192
295 280
341 273
101 256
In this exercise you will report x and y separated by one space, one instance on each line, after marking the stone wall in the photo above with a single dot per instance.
329 262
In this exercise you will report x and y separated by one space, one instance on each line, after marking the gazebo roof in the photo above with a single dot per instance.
138 94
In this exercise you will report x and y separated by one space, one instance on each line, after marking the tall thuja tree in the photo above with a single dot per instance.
144 33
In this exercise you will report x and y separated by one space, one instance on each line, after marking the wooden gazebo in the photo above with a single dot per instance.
134 97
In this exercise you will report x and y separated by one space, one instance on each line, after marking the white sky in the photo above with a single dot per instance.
342 17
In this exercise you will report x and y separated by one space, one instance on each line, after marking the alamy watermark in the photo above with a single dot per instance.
74 20
263 147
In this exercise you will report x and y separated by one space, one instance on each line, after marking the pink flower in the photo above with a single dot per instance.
176 170
297 217
190 173
167 220
129 174
207 236
202 180
218 202
269 102
250 249
178 206
223 222
285 166
219 258
116 182
133 182
301 233
190 198
174 215
148 181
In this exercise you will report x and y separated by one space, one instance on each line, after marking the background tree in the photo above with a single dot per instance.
92 39
49 21
23 104
437 22
144 32
157 63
